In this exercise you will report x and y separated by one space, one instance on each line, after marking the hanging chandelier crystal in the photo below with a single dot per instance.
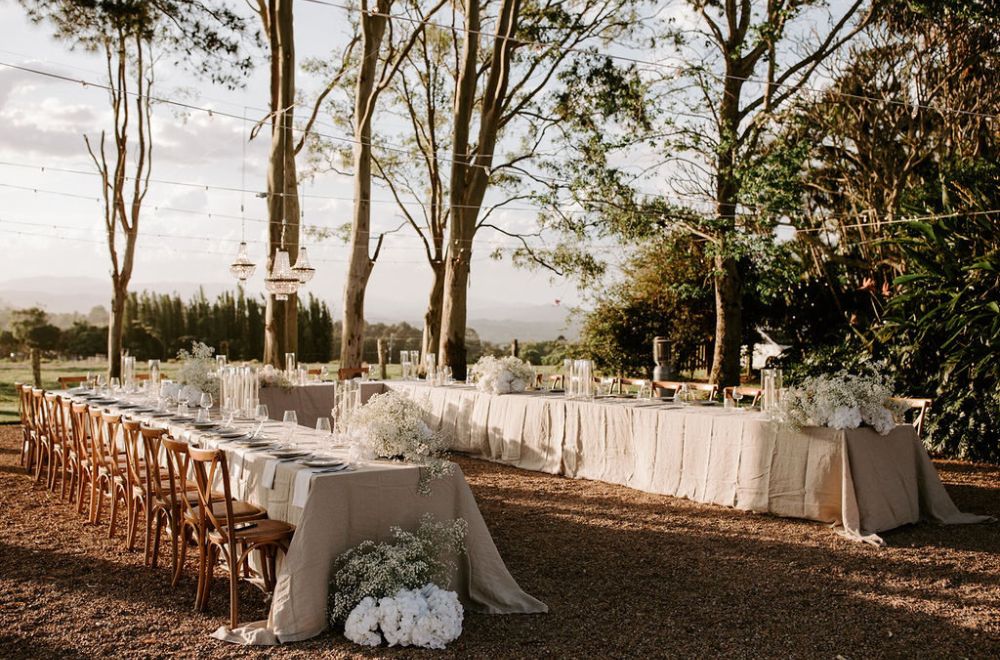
242 267
302 268
281 281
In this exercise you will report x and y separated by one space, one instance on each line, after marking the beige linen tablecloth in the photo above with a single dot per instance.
309 401
334 512
858 480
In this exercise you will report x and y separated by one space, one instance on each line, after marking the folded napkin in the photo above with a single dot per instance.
270 469
303 482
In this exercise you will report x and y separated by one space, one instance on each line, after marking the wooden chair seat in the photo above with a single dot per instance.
241 509
263 531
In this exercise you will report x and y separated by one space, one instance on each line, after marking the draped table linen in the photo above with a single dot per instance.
333 512
856 479
310 401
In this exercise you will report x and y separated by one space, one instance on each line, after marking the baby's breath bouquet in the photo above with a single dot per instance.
395 587
198 368
840 401
502 375
392 426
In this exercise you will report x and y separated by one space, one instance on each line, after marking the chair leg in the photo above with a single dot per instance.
81 483
234 589
153 538
179 565
133 524
114 512
148 547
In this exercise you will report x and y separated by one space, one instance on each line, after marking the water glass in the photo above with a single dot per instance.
290 420
323 425
182 409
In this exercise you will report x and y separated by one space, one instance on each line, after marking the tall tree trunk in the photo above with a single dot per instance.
469 171
281 317
728 279
360 266
432 317
115 330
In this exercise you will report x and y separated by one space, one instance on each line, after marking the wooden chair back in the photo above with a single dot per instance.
674 385
178 463
135 467
314 372
550 382
349 373
625 385
753 392
66 381
23 404
208 466
39 412
78 425
920 406
152 446
111 431
57 423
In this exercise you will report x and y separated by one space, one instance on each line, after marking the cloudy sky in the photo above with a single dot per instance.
50 218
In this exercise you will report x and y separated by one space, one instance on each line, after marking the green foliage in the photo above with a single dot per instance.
665 292
944 329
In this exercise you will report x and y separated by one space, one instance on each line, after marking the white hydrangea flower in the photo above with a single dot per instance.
362 623
429 617
841 401
503 375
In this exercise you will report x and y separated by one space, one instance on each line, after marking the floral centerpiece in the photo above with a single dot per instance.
392 426
198 368
271 377
502 375
840 401
392 589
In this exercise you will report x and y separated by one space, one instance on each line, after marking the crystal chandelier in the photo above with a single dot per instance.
302 268
281 282
242 267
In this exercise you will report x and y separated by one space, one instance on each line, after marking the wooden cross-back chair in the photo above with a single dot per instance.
58 442
227 534
550 381
626 385
66 381
348 373
138 480
754 393
29 440
83 476
710 389
920 407
43 440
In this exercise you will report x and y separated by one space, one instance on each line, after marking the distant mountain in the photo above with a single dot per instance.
497 323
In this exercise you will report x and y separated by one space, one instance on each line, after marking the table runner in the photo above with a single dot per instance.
856 479
342 510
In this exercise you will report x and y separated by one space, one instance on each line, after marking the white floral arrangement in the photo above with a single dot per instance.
392 426
502 375
271 377
429 617
198 368
839 401
392 589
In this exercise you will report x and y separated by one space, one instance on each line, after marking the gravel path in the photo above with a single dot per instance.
626 574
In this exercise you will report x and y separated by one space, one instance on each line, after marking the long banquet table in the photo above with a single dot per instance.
333 512
860 481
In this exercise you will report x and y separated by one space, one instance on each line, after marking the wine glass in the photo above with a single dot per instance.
737 396
260 414
290 419
206 403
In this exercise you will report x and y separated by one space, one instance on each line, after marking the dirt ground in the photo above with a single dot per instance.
626 574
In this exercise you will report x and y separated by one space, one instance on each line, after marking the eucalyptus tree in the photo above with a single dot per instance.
131 35
511 54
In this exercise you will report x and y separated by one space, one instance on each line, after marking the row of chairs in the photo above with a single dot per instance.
93 454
